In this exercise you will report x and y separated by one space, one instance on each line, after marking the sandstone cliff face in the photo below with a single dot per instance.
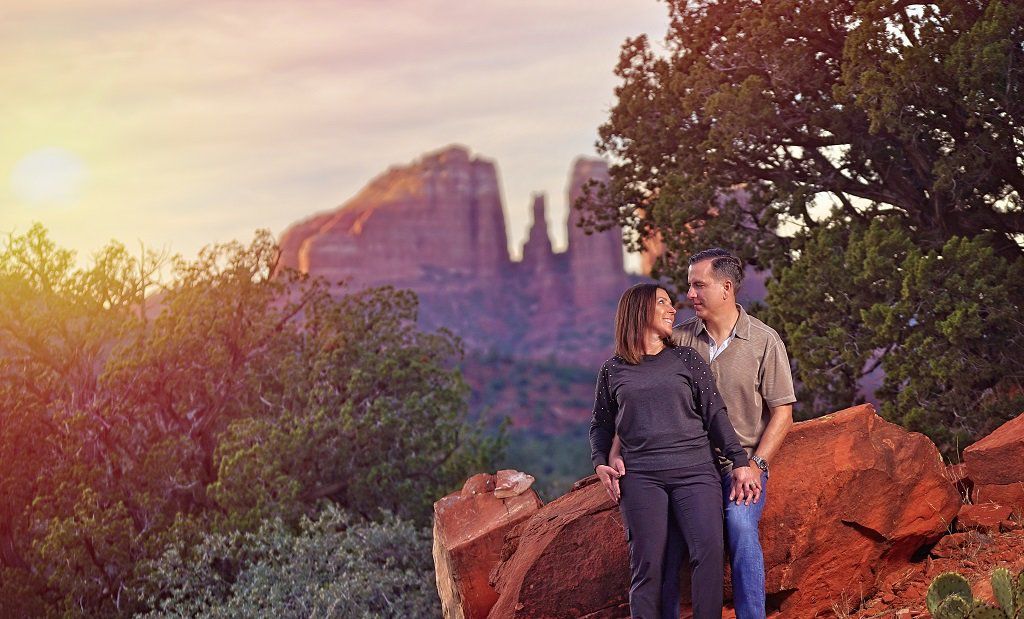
437 227
443 211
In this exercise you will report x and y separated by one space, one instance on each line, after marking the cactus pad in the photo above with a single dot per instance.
984 611
953 607
1003 588
945 585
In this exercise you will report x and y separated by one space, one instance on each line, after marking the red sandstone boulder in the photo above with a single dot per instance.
510 483
850 496
568 560
995 465
983 517
469 527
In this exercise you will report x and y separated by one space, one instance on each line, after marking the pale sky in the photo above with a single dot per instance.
178 123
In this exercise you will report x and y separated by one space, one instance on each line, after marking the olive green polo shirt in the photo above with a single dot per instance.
752 373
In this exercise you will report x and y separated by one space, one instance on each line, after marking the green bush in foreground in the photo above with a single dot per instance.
332 566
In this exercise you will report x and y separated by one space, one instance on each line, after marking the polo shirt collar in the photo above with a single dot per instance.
742 328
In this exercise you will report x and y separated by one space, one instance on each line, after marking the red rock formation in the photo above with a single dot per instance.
543 559
469 527
537 252
444 211
598 256
995 465
851 496
437 227
596 276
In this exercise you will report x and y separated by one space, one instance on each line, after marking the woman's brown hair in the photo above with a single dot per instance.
633 319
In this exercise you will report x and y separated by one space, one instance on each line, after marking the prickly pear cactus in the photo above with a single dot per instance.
984 611
952 607
1004 590
945 585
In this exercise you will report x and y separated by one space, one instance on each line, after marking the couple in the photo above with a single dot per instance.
671 398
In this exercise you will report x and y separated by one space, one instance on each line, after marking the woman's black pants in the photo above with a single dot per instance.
694 494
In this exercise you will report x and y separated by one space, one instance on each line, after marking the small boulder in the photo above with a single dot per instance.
510 483
481 483
984 517
469 526
996 466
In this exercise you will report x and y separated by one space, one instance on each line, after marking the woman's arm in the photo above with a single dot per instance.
746 482
602 434
711 408
602 424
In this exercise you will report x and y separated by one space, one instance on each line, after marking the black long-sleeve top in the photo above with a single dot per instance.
664 409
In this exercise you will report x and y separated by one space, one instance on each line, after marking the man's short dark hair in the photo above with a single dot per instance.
723 264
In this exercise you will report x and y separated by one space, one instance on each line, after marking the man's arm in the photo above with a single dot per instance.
778 427
776 387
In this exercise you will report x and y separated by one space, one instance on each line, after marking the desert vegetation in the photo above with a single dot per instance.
217 437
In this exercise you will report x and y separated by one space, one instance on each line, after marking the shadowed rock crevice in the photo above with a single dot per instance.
865 531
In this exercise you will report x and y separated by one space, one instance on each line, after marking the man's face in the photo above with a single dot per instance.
706 293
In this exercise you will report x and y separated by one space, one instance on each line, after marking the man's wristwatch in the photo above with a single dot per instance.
760 462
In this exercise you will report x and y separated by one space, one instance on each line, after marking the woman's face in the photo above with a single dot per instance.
664 314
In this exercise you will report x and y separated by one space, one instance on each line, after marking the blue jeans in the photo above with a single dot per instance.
745 556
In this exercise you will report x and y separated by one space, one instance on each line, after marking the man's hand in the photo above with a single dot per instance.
746 485
609 476
616 462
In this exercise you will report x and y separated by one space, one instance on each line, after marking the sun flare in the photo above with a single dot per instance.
48 176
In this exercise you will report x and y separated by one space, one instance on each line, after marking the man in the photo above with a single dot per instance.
751 369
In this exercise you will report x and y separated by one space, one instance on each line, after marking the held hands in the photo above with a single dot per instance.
746 485
609 476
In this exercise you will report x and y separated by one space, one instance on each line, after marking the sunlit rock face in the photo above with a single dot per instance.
437 227
442 212
852 500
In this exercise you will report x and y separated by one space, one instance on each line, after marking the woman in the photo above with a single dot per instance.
662 403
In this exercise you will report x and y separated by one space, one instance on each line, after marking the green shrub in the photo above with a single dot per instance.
332 566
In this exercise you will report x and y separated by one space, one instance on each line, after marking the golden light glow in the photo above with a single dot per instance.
48 176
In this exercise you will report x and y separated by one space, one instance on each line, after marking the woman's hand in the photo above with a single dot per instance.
746 485
609 476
